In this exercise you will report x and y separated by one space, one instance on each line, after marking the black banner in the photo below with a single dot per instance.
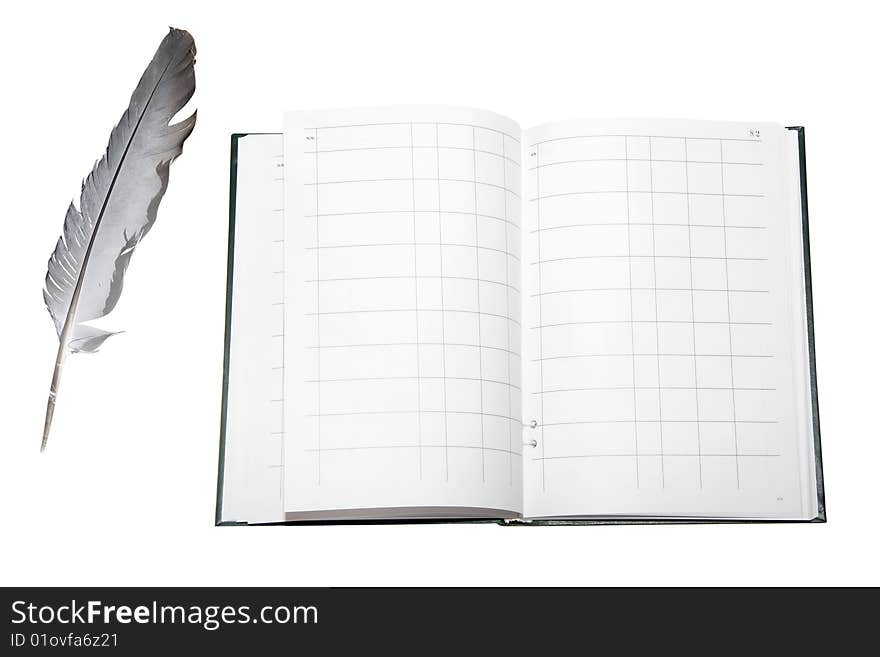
135 620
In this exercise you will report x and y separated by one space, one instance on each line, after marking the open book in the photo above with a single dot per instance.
434 314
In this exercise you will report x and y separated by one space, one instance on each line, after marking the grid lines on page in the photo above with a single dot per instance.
650 317
414 328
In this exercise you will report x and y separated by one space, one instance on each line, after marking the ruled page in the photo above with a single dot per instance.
253 459
403 310
662 320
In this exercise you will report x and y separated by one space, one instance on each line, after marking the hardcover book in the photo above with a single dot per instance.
435 315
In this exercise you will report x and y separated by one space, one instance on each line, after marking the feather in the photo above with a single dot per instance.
118 204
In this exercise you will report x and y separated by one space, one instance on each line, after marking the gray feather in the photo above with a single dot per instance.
118 202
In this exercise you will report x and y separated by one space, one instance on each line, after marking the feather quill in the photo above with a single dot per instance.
118 205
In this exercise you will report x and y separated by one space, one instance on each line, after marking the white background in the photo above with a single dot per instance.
125 493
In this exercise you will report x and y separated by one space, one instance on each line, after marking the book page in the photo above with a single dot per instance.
253 458
663 322
403 311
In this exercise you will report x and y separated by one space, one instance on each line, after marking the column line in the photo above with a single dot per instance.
687 190
507 311
729 318
632 329
479 310
412 163
442 306
656 314
540 318
318 299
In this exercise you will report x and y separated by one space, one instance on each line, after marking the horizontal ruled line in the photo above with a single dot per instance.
422 446
652 455
410 181
647 321
547 141
414 412
413 378
410 245
536 360
405 123
646 191
627 225
640 159
630 388
413 276
628 256
413 344
410 211
700 421
409 147
412 310
647 289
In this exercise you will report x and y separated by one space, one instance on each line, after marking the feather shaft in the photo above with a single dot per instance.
53 392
